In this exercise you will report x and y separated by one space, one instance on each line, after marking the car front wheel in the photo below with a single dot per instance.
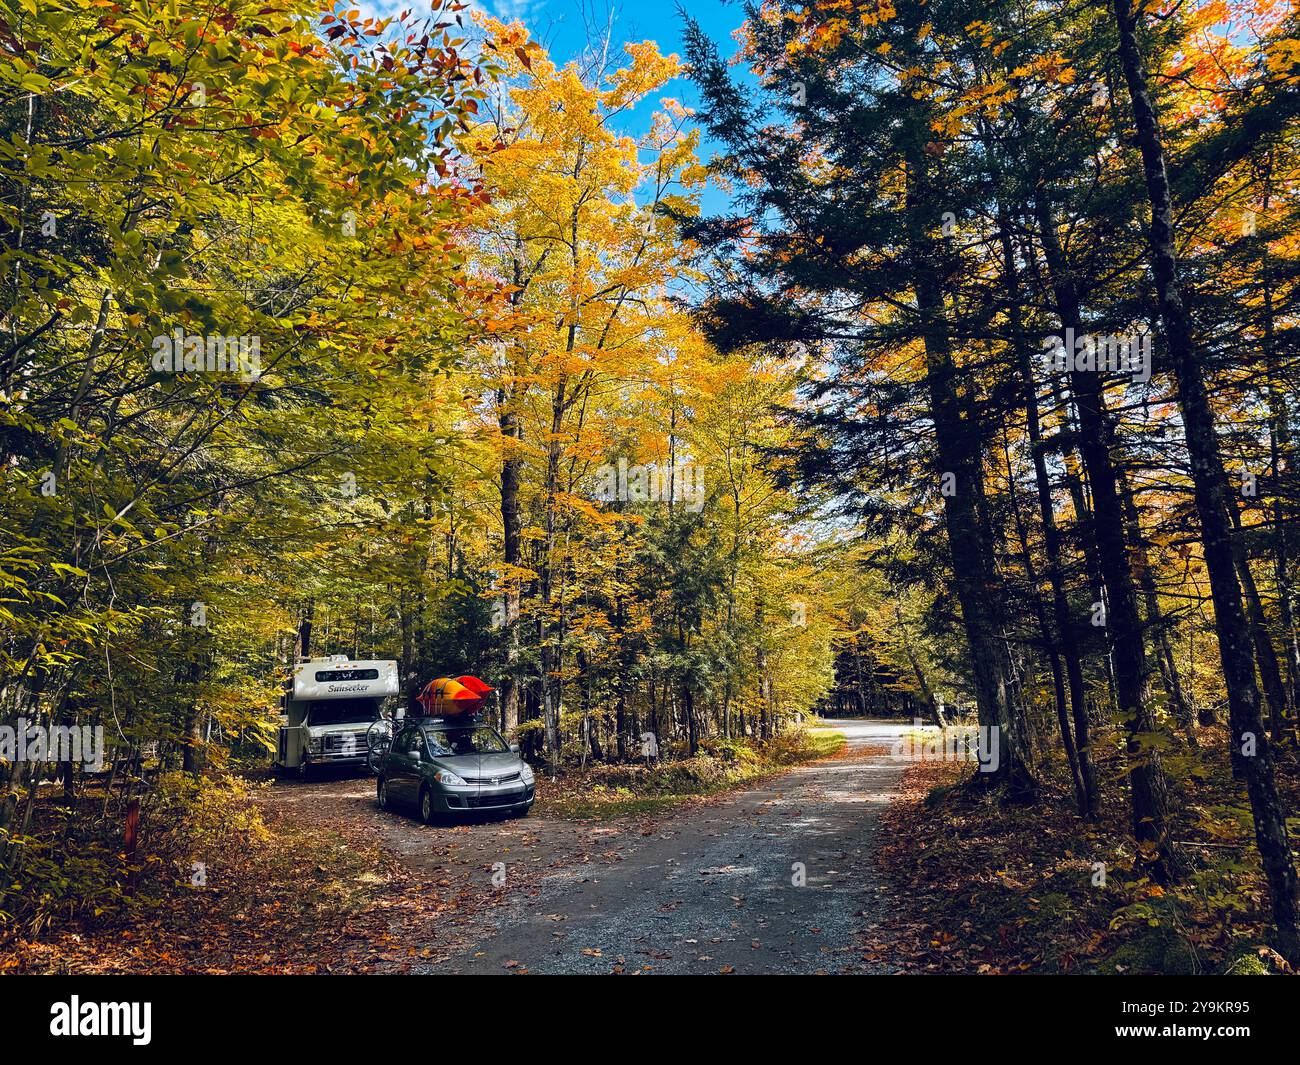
427 812
381 793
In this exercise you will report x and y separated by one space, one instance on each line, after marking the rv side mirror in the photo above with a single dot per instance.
515 748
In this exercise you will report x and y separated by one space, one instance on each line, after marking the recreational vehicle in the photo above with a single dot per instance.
329 705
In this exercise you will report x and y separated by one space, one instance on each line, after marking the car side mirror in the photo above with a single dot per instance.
514 747
416 754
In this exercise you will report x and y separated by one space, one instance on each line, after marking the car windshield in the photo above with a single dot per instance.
447 742
342 711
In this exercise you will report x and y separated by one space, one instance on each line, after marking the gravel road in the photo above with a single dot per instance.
716 889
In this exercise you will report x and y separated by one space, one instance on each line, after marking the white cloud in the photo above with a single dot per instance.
509 10
505 10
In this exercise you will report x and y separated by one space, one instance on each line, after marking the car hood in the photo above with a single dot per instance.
482 764
342 726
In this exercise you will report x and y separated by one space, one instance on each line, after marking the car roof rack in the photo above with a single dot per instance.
455 719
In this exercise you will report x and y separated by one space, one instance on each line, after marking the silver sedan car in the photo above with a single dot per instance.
443 768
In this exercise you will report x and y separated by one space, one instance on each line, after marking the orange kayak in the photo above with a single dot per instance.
450 697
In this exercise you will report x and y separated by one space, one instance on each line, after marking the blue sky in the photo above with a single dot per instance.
561 26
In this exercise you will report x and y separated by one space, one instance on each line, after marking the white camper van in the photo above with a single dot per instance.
332 703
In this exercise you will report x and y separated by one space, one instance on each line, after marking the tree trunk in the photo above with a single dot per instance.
959 475
1123 624
1077 743
512 433
1281 460
1155 619
192 750
1051 645
1211 493
1270 673
688 714
303 647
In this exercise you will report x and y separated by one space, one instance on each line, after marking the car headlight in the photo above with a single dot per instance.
526 774
313 744
446 776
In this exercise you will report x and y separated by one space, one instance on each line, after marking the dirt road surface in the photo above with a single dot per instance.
775 879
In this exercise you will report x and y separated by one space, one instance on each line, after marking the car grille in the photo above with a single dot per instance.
486 802
336 745
504 778
492 800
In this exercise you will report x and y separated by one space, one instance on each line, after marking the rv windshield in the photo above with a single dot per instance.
342 711
446 742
